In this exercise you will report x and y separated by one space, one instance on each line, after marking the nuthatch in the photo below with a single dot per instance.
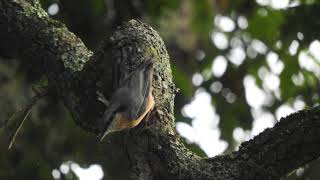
131 101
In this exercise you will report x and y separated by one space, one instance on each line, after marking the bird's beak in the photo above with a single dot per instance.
112 128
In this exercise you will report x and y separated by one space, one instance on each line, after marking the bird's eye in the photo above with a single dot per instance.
122 108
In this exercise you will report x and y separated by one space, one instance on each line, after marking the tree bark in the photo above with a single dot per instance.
153 150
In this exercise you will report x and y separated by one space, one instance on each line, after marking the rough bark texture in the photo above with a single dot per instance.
152 150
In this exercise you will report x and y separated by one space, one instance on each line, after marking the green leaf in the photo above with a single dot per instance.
265 25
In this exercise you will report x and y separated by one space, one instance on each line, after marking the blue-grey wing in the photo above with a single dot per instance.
138 84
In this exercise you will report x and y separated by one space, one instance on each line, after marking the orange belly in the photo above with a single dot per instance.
124 123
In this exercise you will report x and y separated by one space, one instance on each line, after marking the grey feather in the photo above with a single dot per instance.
130 98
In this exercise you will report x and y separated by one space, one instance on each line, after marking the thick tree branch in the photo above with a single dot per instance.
293 142
153 150
45 45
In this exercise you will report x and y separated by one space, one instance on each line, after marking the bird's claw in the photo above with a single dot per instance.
102 99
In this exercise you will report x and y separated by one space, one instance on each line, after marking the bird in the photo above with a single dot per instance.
130 102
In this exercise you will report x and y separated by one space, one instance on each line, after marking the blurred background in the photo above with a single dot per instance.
240 66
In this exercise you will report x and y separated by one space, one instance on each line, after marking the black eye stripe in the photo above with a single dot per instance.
121 109
108 121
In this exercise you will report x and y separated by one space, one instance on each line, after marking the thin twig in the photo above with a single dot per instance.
26 113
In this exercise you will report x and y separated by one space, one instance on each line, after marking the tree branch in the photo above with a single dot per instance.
153 150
